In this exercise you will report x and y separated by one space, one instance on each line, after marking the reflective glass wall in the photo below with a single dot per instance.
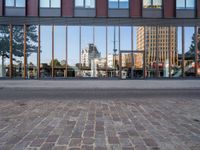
127 52
4 51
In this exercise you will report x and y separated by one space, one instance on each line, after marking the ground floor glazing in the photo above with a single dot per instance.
125 52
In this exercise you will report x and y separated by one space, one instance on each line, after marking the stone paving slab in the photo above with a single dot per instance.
151 124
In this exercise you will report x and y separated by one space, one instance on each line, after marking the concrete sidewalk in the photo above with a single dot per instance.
101 84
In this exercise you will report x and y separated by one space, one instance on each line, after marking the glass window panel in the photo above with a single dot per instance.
180 3
113 4
123 4
32 51
190 3
157 3
177 65
60 51
100 43
89 3
146 3
73 47
79 3
113 51
46 51
10 3
189 64
4 51
18 51
55 3
20 3
44 3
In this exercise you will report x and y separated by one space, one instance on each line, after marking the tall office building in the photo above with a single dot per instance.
146 39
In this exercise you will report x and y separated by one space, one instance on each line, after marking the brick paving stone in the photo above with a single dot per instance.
37 142
86 147
60 148
63 140
88 141
75 142
150 142
113 140
47 146
52 138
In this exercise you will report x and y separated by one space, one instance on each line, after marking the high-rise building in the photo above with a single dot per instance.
88 54
151 40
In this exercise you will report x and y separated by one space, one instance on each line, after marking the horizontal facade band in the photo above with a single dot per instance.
98 21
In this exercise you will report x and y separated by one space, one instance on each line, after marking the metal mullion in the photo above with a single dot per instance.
80 34
11 51
120 56
38 59
52 62
183 52
169 52
106 51
66 51
132 52
196 51
157 67
25 53
144 55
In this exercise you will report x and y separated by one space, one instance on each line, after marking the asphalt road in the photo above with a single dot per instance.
96 94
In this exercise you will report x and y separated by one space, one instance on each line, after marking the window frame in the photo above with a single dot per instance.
50 5
15 6
185 5
118 5
84 5
152 5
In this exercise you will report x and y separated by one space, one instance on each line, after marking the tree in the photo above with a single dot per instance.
56 63
17 42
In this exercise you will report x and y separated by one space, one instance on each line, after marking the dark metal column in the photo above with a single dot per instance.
196 51
169 51
80 66
183 52
52 62
157 53
106 51
120 55
11 51
25 54
144 55
132 53
66 51
38 56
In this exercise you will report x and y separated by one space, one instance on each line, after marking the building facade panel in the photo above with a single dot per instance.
169 8
32 8
1 7
101 8
136 8
67 8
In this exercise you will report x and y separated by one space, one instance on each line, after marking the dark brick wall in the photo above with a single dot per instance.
32 8
102 8
67 8
169 8
136 8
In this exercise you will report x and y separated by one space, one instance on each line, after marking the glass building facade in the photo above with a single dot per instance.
83 39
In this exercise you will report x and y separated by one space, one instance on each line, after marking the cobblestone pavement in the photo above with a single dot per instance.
130 124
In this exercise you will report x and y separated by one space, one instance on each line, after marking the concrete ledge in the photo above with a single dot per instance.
101 84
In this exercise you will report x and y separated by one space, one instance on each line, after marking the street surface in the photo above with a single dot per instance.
39 118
